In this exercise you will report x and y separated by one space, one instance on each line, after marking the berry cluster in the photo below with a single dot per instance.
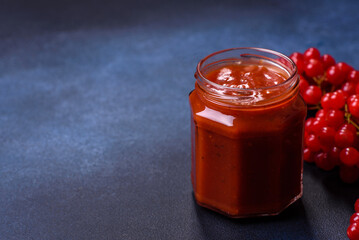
331 88
353 229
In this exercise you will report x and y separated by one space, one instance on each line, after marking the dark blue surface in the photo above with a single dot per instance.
94 116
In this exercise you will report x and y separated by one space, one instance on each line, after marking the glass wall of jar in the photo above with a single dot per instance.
247 121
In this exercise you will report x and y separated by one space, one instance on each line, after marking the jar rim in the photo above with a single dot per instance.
293 73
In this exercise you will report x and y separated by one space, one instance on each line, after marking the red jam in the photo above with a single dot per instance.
245 76
247 132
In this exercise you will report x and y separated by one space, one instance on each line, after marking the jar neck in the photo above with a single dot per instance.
245 97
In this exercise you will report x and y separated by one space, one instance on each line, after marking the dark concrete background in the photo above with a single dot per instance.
94 116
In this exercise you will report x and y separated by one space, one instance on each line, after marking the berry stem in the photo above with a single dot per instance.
348 118
354 124
332 89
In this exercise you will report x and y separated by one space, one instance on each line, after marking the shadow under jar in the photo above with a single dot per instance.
247 121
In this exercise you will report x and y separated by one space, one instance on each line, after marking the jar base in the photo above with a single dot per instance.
285 206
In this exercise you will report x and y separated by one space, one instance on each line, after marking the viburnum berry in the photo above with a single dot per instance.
325 148
328 61
344 138
317 125
311 53
307 155
323 161
348 174
298 59
349 156
308 125
296 55
354 108
312 94
338 99
326 135
349 127
349 88
303 84
334 118
355 217
325 101
312 142
334 155
345 68
353 76
314 68
333 100
335 75
353 98
357 89
353 231
321 113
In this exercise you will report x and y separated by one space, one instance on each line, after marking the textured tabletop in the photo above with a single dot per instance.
95 120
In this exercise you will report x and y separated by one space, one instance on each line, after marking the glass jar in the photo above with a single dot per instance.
247 142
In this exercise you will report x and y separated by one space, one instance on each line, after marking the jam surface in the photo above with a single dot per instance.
251 76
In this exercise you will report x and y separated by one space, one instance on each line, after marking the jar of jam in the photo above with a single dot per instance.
247 121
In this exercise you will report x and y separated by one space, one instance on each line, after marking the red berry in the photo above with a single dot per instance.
353 98
357 89
308 125
334 118
334 75
353 76
349 127
349 174
297 58
354 108
311 53
353 231
312 95
313 143
355 217
321 113
333 100
349 156
300 66
296 55
356 206
326 136
328 61
317 125
314 68
325 101
325 148
345 68
307 155
334 155
344 138
349 88
303 84
322 161
338 99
